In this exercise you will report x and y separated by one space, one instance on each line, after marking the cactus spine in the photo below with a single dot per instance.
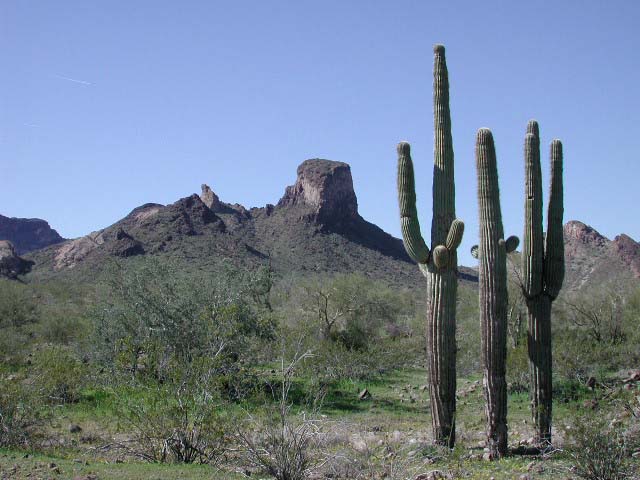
438 265
542 272
492 253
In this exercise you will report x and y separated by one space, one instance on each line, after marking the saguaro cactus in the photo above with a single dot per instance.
438 265
493 293
542 273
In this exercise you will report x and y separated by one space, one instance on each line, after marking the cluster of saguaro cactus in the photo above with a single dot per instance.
439 265
542 273
492 253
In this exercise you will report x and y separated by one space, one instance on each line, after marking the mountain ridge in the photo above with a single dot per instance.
314 227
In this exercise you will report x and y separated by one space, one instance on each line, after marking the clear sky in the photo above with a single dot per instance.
108 105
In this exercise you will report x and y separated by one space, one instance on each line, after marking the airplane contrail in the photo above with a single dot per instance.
74 80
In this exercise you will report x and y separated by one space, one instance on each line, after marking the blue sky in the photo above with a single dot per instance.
108 105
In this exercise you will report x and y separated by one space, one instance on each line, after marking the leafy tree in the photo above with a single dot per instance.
352 308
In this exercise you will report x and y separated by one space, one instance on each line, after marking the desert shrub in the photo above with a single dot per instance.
177 421
19 413
596 332
356 328
14 344
333 361
60 328
599 450
385 459
467 331
349 308
153 315
58 373
518 369
18 313
18 306
279 442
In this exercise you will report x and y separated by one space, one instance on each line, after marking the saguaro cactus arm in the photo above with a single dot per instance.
454 237
512 243
444 189
533 241
554 252
413 242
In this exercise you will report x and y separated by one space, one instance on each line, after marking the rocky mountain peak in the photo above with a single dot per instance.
629 251
210 199
583 233
325 187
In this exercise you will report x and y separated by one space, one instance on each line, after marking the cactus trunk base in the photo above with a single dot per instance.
495 389
539 346
441 353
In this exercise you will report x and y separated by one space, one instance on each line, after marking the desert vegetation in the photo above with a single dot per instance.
157 366
238 374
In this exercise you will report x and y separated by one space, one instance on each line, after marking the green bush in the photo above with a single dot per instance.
599 450
58 373
18 313
518 369
18 306
152 316
18 412
62 329
177 421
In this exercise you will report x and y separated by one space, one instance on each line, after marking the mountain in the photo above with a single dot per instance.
28 234
594 260
315 227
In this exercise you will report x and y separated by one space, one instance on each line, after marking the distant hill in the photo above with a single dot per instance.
314 228
594 260
28 234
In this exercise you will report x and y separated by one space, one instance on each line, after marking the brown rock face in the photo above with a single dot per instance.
326 188
582 233
125 245
629 250
209 198
11 265
594 260
74 251
27 234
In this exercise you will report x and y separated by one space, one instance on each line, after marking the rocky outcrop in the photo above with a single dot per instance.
144 212
147 229
189 216
210 199
124 245
73 251
325 188
594 260
629 251
12 265
578 232
28 234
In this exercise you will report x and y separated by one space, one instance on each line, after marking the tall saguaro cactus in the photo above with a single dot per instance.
492 253
438 265
542 273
